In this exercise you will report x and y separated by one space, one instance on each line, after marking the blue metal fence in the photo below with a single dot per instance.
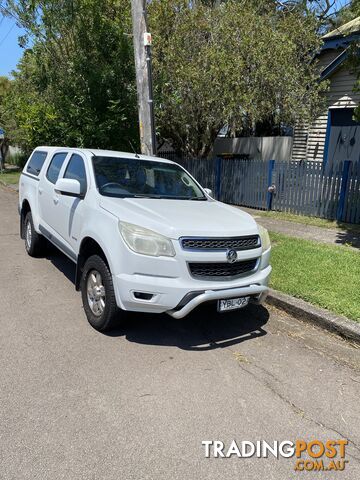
307 188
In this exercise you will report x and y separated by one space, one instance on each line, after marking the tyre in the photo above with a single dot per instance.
98 294
34 242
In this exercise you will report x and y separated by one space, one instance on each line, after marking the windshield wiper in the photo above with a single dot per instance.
146 196
167 197
189 198
172 197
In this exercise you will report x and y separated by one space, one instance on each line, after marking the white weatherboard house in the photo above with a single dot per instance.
334 136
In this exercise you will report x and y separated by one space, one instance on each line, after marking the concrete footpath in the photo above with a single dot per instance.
334 236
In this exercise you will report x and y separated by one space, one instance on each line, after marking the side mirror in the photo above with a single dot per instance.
209 192
69 187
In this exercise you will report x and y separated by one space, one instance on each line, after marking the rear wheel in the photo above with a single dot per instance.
34 242
98 294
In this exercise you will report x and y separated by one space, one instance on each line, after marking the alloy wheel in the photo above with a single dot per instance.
28 235
95 293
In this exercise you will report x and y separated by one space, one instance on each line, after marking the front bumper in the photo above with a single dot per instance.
172 290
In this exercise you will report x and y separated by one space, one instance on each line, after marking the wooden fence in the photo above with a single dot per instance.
305 188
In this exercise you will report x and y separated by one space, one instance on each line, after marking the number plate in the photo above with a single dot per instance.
232 303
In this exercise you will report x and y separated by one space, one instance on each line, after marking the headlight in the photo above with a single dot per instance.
265 239
147 242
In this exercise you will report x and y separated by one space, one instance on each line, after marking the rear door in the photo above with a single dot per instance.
48 198
29 181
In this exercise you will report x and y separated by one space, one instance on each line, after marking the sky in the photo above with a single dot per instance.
10 52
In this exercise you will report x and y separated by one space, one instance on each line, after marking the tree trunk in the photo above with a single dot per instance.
4 148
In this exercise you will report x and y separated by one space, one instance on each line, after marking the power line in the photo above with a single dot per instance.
8 33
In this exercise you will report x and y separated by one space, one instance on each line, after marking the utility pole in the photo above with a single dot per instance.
142 51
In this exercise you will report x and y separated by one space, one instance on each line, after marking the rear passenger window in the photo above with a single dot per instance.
76 171
36 162
55 166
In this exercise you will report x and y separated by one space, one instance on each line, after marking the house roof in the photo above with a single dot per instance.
334 65
339 40
347 29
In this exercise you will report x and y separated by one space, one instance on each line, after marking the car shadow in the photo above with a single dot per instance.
61 262
202 330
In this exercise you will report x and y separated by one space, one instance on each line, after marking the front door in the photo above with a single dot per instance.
70 209
344 137
48 197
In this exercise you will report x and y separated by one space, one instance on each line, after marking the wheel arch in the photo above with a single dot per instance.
89 246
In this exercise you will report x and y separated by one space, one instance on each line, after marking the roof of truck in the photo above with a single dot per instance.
105 153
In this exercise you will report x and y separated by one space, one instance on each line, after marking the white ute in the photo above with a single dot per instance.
144 235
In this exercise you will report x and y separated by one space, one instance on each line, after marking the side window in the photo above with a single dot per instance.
76 170
36 162
55 166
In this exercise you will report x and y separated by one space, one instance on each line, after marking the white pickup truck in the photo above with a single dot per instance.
144 235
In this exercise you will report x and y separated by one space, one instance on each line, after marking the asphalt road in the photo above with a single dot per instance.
136 404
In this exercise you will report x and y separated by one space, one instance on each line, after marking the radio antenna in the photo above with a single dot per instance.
133 149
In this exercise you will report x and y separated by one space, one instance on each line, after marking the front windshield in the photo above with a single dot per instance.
123 177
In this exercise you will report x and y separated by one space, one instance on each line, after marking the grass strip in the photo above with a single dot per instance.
324 275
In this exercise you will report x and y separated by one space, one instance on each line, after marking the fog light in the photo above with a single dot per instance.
143 295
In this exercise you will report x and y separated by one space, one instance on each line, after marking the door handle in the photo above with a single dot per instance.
40 190
56 199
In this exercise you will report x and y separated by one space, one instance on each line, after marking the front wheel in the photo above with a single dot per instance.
98 294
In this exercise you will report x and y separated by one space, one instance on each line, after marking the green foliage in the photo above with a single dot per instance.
75 85
237 63
5 85
231 64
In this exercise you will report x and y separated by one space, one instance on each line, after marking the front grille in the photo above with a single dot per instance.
221 270
237 243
